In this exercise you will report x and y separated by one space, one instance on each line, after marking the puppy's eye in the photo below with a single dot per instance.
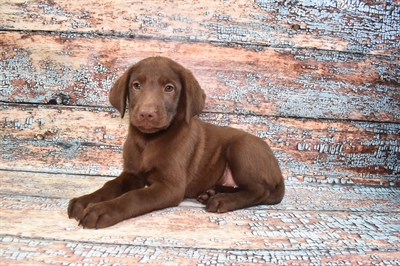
169 88
136 85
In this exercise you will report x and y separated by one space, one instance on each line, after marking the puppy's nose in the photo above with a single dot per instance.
147 114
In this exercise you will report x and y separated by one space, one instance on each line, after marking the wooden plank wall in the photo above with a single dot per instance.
318 80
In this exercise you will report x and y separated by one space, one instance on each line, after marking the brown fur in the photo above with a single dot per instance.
170 154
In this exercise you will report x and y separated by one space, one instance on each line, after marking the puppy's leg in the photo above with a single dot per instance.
224 202
229 199
112 189
222 198
131 204
226 184
204 197
256 173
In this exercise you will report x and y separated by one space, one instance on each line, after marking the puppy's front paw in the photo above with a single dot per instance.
99 215
76 207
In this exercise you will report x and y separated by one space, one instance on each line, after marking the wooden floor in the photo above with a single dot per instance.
316 224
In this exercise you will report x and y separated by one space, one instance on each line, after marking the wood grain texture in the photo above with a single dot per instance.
255 229
355 26
311 225
317 80
84 140
80 70
19 250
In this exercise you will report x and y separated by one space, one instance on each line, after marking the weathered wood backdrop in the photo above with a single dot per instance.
318 80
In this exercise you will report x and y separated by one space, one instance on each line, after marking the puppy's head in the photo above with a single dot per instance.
158 90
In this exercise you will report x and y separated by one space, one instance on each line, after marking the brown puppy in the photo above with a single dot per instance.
170 154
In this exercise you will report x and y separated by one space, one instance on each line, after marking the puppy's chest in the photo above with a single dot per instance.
147 156
163 156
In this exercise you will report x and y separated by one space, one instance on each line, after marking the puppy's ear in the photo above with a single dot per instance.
193 95
119 93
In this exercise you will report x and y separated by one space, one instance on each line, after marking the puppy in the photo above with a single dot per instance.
170 154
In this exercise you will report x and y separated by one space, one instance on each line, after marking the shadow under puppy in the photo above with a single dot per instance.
170 154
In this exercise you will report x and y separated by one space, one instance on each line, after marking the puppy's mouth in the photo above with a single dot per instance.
148 129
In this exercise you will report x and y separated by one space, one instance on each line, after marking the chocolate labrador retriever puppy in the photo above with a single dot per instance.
170 154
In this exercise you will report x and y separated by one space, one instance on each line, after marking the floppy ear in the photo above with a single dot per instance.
119 93
194 95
